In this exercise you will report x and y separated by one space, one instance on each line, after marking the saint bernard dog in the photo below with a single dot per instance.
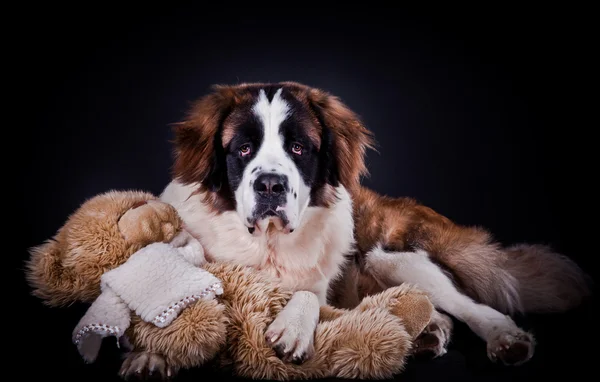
268 176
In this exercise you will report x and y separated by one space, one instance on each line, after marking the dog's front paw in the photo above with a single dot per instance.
146 366
292 341
291 334
512 347
150 221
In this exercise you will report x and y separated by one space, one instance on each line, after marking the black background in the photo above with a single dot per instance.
482 114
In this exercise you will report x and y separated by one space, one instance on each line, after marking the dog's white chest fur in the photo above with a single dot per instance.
307 259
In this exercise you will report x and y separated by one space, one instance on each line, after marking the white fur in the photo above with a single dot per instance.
272 157
416 268
292 328
306 260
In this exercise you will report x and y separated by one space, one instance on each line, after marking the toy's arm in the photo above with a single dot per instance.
100 235
149 221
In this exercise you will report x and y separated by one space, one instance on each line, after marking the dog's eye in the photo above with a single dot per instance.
297 148
244 150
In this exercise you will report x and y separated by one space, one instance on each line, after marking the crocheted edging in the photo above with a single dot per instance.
99 328
215 288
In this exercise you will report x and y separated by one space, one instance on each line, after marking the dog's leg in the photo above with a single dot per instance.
292 332
506 342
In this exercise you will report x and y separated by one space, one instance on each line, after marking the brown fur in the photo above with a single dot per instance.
351 137
193 339
518 279
102 225
195 139
371 341
367 342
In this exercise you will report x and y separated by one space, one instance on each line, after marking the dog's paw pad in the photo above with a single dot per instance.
511 348
432 342
429 345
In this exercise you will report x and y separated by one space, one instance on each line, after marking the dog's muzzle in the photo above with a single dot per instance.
271 191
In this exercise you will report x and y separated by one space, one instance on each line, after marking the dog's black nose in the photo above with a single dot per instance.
271 184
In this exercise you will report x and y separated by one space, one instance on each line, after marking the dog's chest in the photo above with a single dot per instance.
306 259
301 261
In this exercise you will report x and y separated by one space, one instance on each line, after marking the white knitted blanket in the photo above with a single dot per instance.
157 283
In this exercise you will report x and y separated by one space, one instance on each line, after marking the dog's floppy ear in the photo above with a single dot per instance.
350 138
199 156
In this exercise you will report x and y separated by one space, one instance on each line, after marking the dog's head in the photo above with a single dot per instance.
269 151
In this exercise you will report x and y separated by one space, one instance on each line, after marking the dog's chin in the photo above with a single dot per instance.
270 221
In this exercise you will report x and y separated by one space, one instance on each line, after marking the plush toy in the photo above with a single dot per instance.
127 254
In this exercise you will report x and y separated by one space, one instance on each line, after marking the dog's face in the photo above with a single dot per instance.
270 151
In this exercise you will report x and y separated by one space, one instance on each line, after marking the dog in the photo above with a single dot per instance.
268 175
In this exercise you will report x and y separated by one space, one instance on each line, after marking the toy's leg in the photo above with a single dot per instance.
407 302
368 344
328 313
429 329
193 338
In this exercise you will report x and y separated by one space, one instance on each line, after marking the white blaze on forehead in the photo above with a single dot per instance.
271 114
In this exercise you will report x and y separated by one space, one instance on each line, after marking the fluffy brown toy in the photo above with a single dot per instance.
371 341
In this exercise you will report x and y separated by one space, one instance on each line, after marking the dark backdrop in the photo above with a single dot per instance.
481 116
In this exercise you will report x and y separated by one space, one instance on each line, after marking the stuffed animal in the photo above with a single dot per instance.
191 312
